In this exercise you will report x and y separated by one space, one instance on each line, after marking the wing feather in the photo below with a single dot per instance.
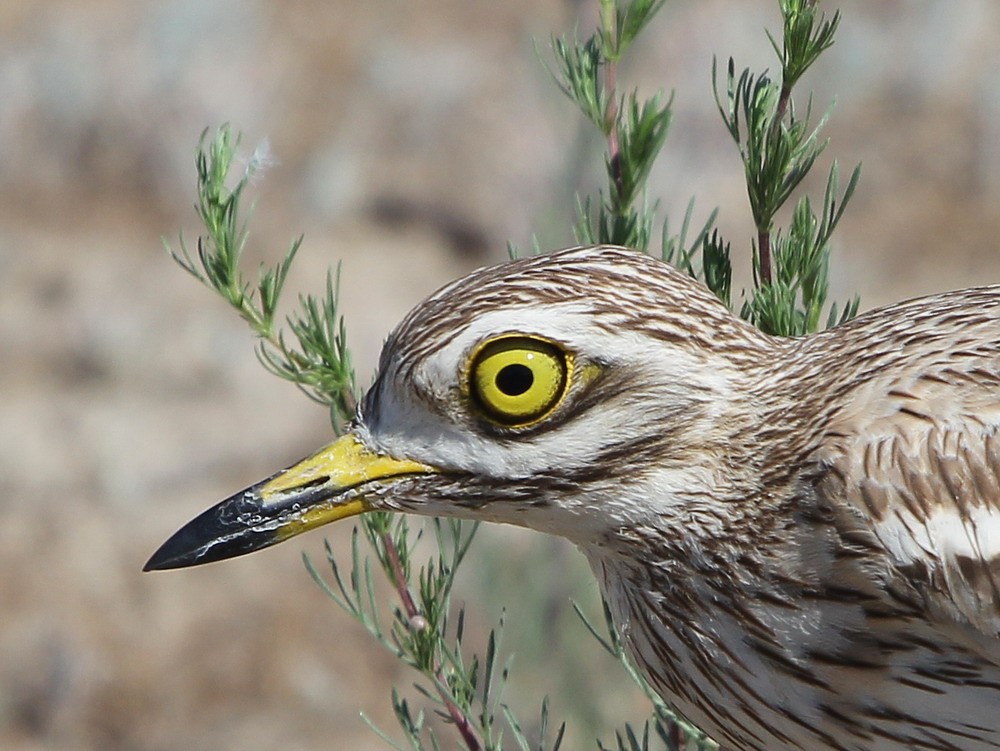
914 460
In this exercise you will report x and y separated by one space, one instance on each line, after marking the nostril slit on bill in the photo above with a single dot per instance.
315 483
281 497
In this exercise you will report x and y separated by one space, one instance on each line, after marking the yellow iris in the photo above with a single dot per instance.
518 380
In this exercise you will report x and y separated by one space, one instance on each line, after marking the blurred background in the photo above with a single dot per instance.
409 141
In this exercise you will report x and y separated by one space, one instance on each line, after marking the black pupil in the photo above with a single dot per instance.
514 380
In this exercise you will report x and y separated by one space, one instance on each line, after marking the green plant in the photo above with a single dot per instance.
422 631
465 687
778 149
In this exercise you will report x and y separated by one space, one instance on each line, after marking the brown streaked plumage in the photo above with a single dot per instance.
799 538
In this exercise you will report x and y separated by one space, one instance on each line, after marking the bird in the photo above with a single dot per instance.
798 538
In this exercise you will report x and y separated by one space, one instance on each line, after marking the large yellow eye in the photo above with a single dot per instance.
517 380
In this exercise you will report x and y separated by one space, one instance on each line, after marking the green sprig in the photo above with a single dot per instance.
314 355
319 362
778 149
634 129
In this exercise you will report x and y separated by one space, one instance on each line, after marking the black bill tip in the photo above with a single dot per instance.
231 528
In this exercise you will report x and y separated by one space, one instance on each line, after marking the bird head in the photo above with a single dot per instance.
585 393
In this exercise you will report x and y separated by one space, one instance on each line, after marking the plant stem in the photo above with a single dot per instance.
764 255
764 233
611 120
460 720
677 738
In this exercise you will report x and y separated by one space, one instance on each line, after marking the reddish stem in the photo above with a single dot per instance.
455 712
614 148
764 235
783 99
399 577
764 256
676 736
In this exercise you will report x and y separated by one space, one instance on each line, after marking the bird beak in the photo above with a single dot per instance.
332 484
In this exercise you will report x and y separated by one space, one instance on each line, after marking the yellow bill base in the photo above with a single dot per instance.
334 469
343 464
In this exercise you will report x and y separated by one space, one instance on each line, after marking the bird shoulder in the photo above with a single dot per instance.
911 461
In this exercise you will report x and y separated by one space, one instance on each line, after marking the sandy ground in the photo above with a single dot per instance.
410 142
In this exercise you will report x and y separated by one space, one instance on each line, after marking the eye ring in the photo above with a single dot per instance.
518 380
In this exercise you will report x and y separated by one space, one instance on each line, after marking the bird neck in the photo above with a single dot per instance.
733 481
